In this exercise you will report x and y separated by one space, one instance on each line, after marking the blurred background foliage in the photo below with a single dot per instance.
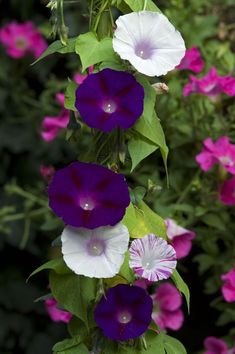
27 94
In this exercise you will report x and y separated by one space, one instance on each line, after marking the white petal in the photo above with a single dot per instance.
75 249
153 30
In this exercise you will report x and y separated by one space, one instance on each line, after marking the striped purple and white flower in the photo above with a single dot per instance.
152 258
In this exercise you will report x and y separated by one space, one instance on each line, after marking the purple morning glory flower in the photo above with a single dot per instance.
88 195
124 312
110 99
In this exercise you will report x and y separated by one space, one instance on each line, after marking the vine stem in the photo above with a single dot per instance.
26 232
102 8
188 187
145 4
63 31
26 195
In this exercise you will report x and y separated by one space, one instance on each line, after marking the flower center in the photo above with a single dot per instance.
86 204
21 43
148 264
96 247
226 160
124 317
143 50
109 107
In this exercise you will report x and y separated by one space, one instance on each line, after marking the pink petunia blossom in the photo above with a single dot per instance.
51 126
167 301
220 151
56 314
79 78
214 345
211 85
191 61
21 39
143 283
227 192
228 289
181 238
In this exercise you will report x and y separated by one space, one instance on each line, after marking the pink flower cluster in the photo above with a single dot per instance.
21 39
181 238
228 289
211 85
214 345
220 152
192 61
51 126
56 314
167 312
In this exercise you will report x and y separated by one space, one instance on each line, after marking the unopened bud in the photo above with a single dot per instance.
52 5
160 88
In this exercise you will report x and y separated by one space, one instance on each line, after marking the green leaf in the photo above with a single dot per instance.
70 346
142 220
139 149
154 343
172 345
125 271
58 47
57 265
138 5
148 125
129 219
76 327
181 286
214 220
154 222
93 51
70 96
112 64
74 292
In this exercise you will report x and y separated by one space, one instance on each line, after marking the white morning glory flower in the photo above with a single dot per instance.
149 41
97 253
152 258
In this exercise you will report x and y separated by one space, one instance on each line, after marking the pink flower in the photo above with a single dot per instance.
51 126
21 39
228 289
211 85
47 172
143 283
227 192
167 301
215 346
79 78
192 61
222 152
55 313
181 238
